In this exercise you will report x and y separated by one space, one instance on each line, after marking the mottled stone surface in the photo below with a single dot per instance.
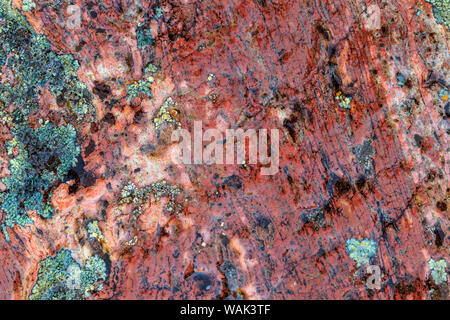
358 90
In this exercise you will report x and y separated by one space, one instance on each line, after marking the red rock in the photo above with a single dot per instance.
274 65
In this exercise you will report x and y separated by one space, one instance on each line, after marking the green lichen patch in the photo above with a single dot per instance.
139 87
94 230
35 65
159 13
438 270
143 36
150 69
28 5
441 11
39 158
62 278
361 251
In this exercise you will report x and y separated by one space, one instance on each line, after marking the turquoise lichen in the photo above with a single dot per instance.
143 36
441 11
401 80
2 57
438 270
94 270
28 5
62 278
39 158
361 251
158 13
5 232
35 65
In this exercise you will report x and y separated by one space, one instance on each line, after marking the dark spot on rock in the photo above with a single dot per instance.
407 286
439 235
90 148
109 118
384 31
360 183
342 186
82 177
88 179
447 110
203 281
233 181
289 177
224 239
189 271
138 116
104 203
334 77
94 127
418 140
129 61
290 125
263 222
80 45
102 90
324 32
442 206
72 175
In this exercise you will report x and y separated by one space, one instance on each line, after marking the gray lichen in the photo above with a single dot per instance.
364 155
131 194
438 270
